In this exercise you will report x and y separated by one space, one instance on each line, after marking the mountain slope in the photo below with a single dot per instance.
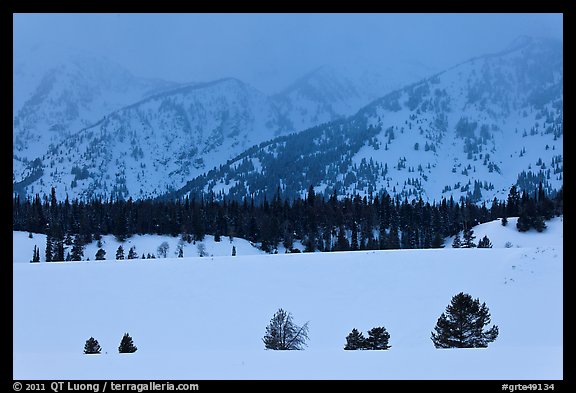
334 92
155 145
473 130
52 103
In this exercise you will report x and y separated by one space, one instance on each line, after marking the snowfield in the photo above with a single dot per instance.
204 318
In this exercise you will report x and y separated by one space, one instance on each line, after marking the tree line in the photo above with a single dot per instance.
320 224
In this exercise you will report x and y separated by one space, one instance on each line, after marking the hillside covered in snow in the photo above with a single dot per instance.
470 131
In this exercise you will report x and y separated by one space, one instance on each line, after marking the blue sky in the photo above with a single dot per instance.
271 50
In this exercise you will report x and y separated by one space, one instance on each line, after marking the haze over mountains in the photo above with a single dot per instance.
90 128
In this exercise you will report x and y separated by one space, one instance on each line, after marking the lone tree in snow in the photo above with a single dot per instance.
377 338
100 255
468 239
283 334
355 340
132 253
201 250
120 253
127 345
484 243
92 346
462 325
162 250
36 254
457 243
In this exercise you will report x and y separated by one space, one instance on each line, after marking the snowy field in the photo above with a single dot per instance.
204 318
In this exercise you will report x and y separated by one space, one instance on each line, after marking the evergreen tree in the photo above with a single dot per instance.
393 239
127 344
462 324
92 347
342 241
504 221
438 241
377 338
283 334
233 251
100 255
355 340
354 241
457 243
468 240
484 243
132 253
77 249
59 252
513 202
120 253
49 246
35 254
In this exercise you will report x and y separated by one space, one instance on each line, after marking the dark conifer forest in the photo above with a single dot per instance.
336 224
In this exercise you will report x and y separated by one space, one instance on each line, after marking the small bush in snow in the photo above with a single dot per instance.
355 341
127 344
508 245
92 347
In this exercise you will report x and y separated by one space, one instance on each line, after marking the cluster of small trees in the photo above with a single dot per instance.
92 347
468 240
462 325
377 339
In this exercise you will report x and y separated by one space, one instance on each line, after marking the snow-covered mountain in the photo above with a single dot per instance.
151 146
473 130
333 92
55 100
86 129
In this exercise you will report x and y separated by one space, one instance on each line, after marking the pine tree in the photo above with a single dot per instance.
127 344
100 255
77 249
283 334
468 238
457 243
120 253
484 243
504 221
437 241
35 254
355 340
49 246
92 347
377 338
342 241
462 324
59 252
132 253
233 251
